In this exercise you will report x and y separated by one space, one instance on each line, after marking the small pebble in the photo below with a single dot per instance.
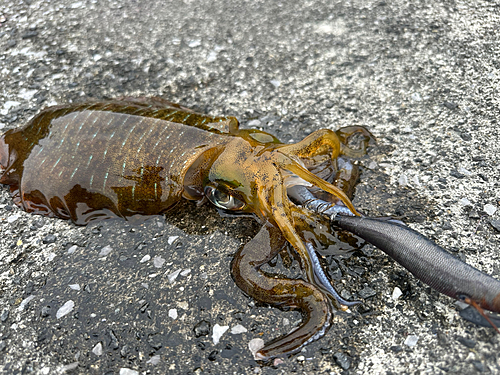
69 367
342 360
154 360
301 358
212 56
172 313
255 345
411 340
464 171
24 302
489 209
12 218
194 43
396 293
74 286
127 371
403 180
253 123
465 202
238 328
158 261
218 331
186 272
97 350
276 83
173 276
72 249
469 343
4 315
105 251
367 292
65 309
202 328
145 258
50 238
171 239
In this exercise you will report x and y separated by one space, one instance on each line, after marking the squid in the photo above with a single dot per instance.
140 156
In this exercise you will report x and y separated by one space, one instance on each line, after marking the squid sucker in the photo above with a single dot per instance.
140 156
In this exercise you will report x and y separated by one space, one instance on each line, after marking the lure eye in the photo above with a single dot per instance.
223 200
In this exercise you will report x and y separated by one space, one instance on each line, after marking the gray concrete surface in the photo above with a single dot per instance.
423 76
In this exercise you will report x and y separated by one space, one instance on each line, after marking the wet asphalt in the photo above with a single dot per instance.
127 298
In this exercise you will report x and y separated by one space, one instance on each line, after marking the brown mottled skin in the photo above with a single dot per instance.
131 156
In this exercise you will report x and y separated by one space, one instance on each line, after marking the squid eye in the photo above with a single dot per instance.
223 200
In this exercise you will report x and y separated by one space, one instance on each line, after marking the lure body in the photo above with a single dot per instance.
134 156
426 260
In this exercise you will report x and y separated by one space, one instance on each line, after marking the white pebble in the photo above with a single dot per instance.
72 249
172 313
74 286
416 97
27 94
212 56
411 340
24 302
186 272
154 360
490 209
171 239
145 258
194 43
105 251
65 309
158 261
7 106
218 332
97 350
127 371
465 202
464 171
173 276
69 367
254 123
255 345
403 180
238 328
396 293
12 218
276 83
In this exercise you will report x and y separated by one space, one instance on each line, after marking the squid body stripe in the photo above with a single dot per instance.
131 130
111 136
73 174
57 162
105 180
90 159
126 139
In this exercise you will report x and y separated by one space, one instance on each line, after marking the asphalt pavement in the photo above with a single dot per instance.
126 298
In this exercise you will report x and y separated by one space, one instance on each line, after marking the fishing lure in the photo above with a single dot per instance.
426 260
133 156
